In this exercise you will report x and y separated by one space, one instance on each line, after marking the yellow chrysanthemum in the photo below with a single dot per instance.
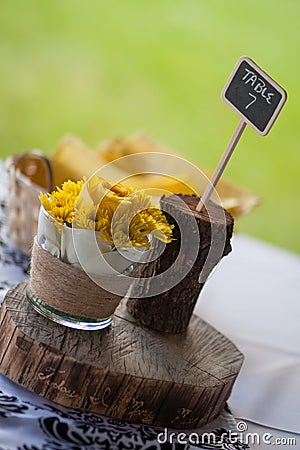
122 215
60 204
72 187
150 221
87 216
101 191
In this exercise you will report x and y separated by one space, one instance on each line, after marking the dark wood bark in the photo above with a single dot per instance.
170 310
125 371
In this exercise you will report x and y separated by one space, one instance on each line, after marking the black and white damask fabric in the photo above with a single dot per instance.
13 262
30 422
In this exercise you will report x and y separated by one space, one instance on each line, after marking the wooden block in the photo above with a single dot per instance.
126 371
200 240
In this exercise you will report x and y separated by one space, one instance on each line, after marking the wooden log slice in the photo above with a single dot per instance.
125 371
208 233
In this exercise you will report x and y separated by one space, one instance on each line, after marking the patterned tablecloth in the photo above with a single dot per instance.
30 422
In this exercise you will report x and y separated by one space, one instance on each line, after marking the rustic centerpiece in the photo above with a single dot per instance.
179 377
157 364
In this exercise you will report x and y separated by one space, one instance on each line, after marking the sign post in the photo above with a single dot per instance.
257 99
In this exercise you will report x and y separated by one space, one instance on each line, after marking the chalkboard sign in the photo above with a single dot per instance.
254 95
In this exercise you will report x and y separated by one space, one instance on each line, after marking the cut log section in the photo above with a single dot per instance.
125 371
201 239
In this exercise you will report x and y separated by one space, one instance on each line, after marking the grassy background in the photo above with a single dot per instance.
99 68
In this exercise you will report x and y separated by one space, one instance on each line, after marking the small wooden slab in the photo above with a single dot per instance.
126 371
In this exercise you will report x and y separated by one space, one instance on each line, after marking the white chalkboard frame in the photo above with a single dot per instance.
272 83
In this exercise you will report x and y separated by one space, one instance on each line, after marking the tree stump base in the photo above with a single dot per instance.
125 371
201 239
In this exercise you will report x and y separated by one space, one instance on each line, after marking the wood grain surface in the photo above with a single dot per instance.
203 235
126 371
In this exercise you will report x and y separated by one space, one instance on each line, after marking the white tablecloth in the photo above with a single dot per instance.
253 298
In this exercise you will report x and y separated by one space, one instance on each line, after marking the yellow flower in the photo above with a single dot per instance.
59 208
122 215
72 187
102 191
87 216
150 221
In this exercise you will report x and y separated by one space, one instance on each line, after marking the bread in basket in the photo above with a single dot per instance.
31 173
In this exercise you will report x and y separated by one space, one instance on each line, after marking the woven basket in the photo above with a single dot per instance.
28 175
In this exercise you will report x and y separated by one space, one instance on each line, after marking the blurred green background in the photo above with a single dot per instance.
99 68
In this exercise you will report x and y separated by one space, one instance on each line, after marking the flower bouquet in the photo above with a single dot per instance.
91 236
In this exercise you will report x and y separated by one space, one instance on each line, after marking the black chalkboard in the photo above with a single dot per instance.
254 95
